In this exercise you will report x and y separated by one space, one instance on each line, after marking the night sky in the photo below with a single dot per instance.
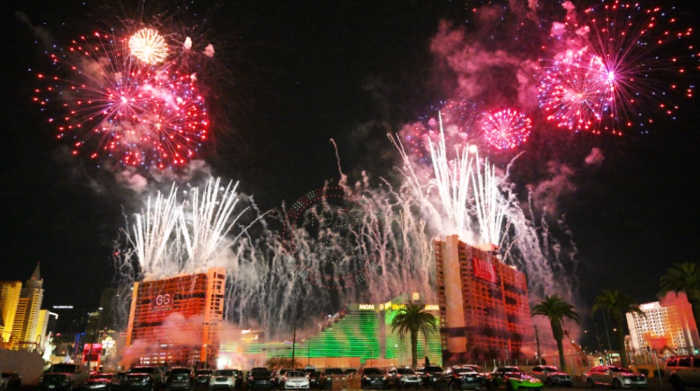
296 75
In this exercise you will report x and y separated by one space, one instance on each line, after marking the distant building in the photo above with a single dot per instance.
26 322
174 320
484 309
665 325
9 299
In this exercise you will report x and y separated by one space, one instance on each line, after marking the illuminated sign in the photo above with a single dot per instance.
366 307
162 302
62 307
432 307
483 269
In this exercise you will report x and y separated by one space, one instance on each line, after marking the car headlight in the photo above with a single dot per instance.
627 381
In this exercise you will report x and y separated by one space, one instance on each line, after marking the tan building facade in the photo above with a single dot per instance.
10 292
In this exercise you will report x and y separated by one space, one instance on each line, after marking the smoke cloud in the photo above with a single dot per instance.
595 157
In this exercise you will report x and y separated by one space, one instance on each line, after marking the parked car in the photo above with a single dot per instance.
224 379
100 381
512 378
137 381
614 376
318 379
10 381
683 371
260 378
55 381
179 378
77 374
462 378
407 377
335 375
374 378
295 380
202 376
152 371
432 375
552 376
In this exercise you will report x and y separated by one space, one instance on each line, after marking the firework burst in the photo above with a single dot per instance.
111 107
148 46
506 129
576 91
629 64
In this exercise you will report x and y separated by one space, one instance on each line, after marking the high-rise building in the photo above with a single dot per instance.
484 310
9 299
174 320
667 324
24 327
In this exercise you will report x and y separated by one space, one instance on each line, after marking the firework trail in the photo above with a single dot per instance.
468 200
175 234
208 220
112 103
151 233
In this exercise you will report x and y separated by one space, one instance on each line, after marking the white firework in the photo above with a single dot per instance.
207 222
151 234
462 195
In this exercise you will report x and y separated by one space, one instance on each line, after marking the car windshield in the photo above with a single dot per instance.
225 372
509 369
260 371
433 369
204 372
372 371
179 370
134 378
618 369
295 374
405 371
69 368
464 370
54 379
334 371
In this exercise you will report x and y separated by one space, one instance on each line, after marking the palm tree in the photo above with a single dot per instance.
556 309
411 320
683 277
616 304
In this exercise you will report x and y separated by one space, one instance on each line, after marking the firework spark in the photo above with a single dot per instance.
506 129
116 109
148 46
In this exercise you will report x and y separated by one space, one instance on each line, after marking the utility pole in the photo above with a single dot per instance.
537 339
294 341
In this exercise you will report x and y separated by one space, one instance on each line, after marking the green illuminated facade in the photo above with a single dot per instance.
363 331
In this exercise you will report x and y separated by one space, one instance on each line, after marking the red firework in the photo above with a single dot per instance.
114 107
506 129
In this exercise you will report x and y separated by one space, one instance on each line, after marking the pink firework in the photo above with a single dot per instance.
576 91
646 64
506 129
114 107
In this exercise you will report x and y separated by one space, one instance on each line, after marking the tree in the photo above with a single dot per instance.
556 309
683 277
411 320
616 304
